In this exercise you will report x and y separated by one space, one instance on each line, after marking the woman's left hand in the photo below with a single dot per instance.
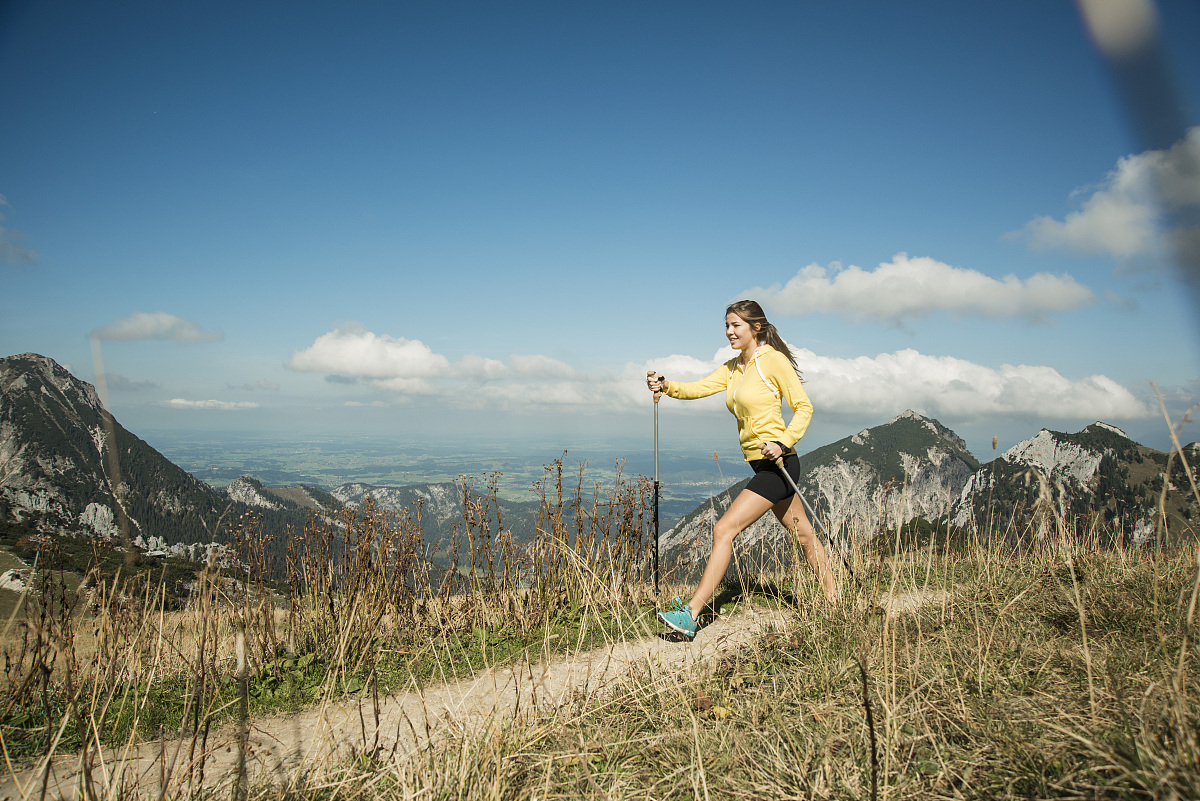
771 450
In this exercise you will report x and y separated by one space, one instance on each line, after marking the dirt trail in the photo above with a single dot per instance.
282 748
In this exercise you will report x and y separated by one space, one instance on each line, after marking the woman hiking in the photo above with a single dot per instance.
754 382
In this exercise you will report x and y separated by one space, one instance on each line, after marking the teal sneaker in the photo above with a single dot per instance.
679 618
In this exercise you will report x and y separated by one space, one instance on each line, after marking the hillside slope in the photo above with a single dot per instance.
67 466
915 468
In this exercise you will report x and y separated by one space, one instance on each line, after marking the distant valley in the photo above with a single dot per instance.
68 468
382 461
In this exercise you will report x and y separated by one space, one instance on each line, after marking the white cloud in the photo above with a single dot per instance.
689 368
181 403
410 367
1150 202
1113 221
879 387
944 387
407 386
956 389
874 387
909 287
480 368
155 325
355 352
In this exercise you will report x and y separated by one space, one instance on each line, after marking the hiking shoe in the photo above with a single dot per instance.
680 619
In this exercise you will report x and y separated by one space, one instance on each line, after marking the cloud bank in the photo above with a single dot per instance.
353 351
957 389
944 387
881 386
906 288
1149 204
224 406
155 325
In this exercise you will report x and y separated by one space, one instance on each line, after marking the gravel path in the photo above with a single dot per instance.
284 747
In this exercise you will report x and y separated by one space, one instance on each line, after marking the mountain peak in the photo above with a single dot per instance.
908 416
250 491
54 442
17 372
910 463
1108 427
1055 456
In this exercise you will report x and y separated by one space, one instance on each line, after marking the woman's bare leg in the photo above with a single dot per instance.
746 508
790 512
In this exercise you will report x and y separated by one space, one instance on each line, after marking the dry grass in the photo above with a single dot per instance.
993 694
365 602
1064 668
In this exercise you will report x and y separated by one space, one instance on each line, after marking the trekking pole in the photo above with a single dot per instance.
657 395
816 520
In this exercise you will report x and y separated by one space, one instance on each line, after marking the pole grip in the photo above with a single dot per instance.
650 374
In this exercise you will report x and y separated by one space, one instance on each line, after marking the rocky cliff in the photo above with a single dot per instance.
67 465
913 467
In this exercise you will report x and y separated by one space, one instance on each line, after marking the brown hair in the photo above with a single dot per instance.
752 313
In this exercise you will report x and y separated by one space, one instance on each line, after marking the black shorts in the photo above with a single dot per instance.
770 483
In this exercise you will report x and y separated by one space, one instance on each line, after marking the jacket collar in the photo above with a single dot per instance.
763 347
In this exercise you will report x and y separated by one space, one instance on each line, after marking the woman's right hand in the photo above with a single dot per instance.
655 382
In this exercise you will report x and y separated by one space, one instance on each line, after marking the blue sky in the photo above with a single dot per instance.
457 220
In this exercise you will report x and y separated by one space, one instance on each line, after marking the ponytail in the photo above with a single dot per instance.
771 337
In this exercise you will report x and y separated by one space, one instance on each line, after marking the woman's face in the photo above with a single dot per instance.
741 336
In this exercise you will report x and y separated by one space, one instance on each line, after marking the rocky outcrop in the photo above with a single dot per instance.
250 492
439 502
1097 471
912 467
68 467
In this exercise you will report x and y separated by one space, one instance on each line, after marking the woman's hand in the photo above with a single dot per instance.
655 382
771 450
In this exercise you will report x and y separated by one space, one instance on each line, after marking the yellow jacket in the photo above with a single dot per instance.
753 395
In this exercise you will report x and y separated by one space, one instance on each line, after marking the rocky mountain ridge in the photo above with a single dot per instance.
61 473
252 492
66 466
915 468
441 508
65 463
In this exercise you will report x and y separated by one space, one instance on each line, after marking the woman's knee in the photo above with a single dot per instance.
725 532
